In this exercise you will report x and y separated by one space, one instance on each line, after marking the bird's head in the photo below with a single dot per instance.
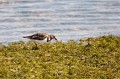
50 37
53 37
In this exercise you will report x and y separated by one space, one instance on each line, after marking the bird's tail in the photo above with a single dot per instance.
26 36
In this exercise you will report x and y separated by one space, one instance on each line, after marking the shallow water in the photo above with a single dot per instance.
67 19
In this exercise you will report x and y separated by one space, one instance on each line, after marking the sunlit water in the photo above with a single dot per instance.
66 19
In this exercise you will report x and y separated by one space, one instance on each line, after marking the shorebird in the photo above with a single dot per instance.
41 36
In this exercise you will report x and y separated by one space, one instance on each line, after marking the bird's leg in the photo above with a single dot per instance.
48 39
36 47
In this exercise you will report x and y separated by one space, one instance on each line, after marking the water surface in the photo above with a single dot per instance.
67 19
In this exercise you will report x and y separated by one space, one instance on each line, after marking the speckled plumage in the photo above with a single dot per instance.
41 36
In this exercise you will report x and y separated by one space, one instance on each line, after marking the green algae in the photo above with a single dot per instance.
93 58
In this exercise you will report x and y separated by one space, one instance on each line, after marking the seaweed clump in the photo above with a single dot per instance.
93 58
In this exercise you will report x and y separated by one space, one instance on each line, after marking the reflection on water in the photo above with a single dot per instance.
67 19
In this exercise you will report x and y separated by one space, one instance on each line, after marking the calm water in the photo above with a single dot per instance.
67 19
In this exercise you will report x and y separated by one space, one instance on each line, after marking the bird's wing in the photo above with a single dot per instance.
39 36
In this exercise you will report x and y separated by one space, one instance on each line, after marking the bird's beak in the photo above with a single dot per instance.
56 39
